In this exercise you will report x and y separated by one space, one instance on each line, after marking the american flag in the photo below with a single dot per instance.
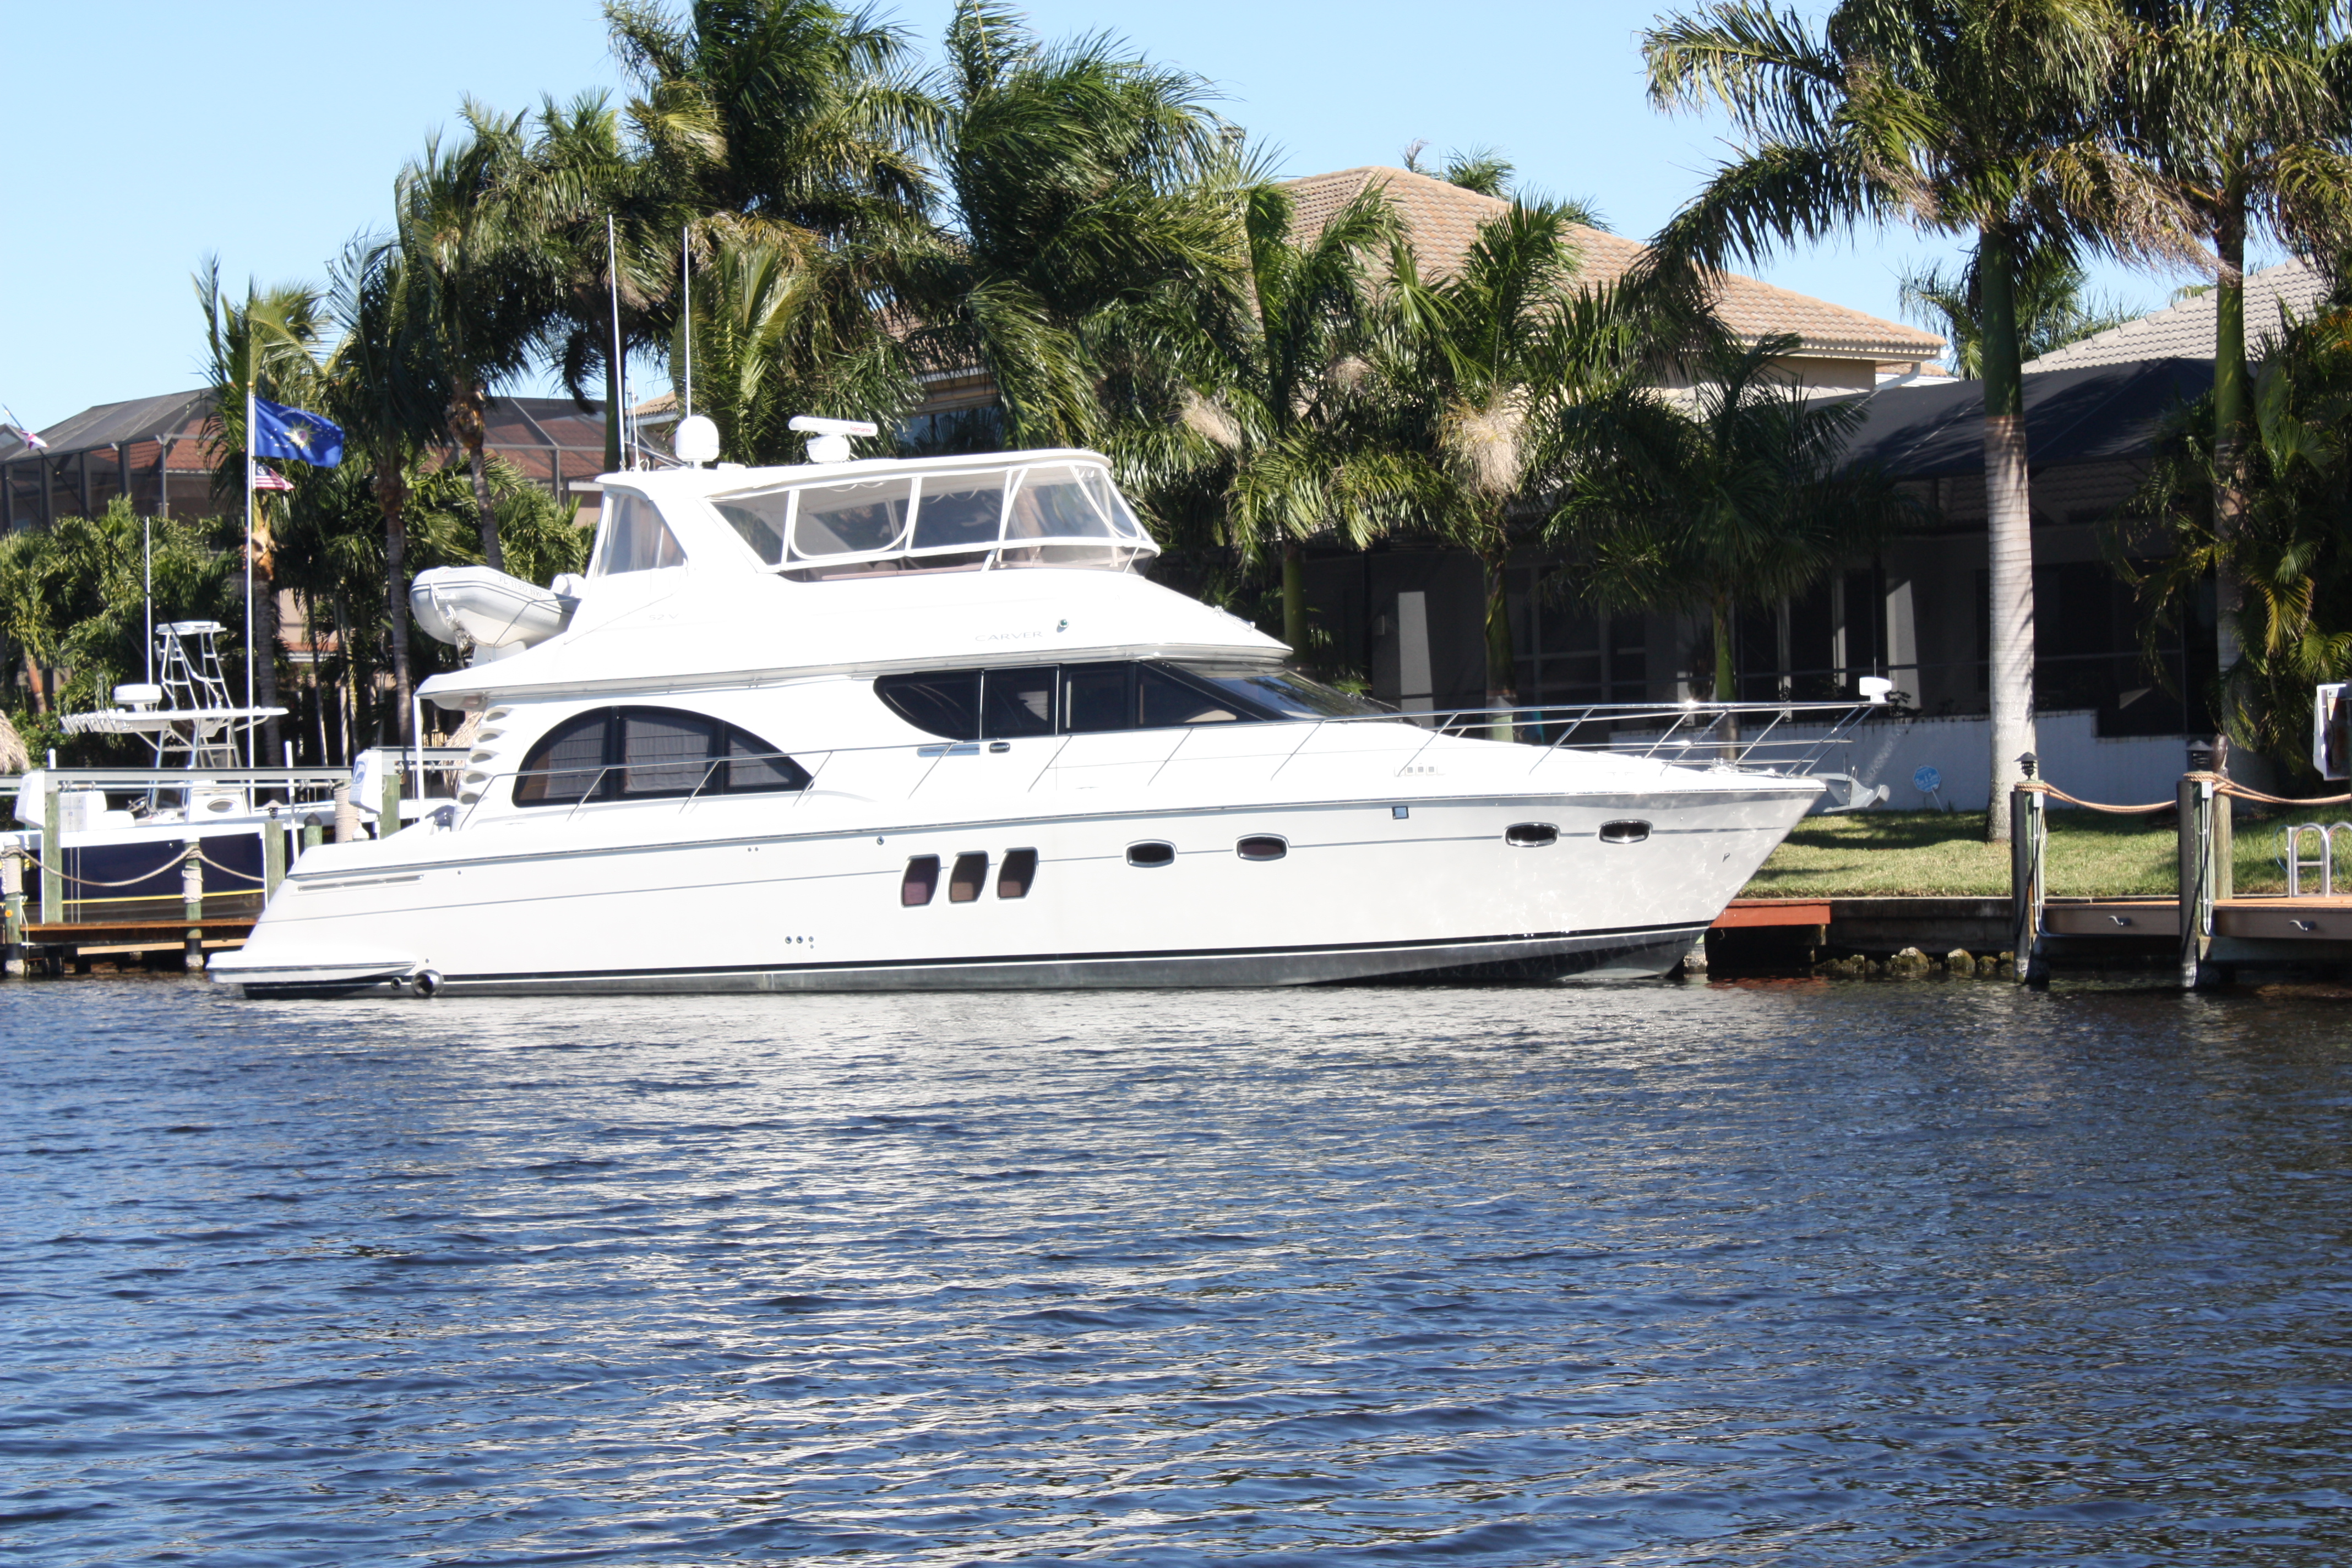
270 479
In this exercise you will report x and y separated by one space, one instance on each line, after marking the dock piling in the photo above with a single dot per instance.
53 857
2197 875
2028 885
273 855
191 904
347 817
12 911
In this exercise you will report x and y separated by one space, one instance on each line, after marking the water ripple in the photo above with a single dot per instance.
1836 1274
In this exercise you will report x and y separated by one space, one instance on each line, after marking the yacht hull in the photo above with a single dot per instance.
1364 890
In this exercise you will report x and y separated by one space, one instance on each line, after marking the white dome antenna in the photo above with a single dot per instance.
696 439
829 438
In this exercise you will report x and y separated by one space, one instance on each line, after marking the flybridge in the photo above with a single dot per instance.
985 515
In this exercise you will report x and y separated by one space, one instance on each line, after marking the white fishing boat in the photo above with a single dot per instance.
884 724
121 835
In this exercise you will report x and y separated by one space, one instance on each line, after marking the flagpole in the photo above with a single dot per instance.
147 589
251 729
685 280
620 365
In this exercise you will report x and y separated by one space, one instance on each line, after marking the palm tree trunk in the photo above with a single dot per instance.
2008 526
1293 597
1727 675
392 495
1502 669
472 434
2229 423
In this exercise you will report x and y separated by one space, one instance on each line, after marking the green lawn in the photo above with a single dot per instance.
1887 853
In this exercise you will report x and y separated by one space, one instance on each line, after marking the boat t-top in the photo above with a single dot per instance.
925 724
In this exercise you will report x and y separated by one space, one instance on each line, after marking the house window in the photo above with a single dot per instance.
649 753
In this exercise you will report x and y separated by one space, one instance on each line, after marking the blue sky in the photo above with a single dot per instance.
145 136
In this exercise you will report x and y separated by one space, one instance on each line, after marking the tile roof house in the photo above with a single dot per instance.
159 451
1840 349
2189 330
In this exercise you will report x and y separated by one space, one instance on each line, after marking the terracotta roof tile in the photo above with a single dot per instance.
1444 220
2189 330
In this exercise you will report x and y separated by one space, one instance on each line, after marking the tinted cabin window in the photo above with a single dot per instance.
566 765
921 880
1265 847
1627 832
1166 701
650 753
946 704
1098 696
970 875
1020 872
635 538
1530 835
665 753
1150 854
1017 703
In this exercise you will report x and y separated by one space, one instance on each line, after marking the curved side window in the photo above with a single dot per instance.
944 703
568 763
650 753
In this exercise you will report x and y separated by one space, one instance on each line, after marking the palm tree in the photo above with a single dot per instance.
267 346
792 129
471 222
2053 309
1991 117
1094 218
1489 361
1282 420
1743 499
2235 103
2286 545
386 384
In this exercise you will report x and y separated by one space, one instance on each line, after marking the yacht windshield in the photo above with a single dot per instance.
1022 514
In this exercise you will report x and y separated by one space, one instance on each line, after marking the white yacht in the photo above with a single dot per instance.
883 724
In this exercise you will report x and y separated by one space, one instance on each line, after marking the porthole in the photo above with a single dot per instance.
1530 835
1019 872
1150 854
921 880
1263 847
970 875
1627 832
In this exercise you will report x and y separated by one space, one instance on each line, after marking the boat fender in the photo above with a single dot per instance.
426 982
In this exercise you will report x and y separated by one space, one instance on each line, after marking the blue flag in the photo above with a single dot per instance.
295 433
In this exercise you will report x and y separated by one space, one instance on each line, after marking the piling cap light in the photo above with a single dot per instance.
2028 762
829 438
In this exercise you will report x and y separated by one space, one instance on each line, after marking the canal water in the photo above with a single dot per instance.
1820 1273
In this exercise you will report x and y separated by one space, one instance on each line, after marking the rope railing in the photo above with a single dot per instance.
2221 786
192 851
